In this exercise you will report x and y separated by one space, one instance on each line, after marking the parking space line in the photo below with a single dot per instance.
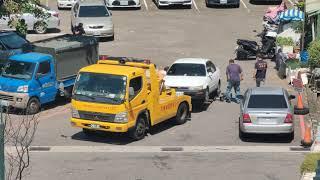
146 5
245 6
195 5
169 149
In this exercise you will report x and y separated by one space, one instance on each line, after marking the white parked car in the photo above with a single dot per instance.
65 4
163 3
123 3
196 77
34 23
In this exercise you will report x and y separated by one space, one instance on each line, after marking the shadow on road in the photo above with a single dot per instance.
267 138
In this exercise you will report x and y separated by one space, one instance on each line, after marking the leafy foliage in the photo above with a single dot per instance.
15 8
284 41
314 54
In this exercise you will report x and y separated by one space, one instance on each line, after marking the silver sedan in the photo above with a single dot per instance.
266 110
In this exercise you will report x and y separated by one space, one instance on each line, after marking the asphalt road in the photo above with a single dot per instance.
217 152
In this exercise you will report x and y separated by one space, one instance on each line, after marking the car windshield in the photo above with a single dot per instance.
267 101
13 41
18 70
180 69
103 88
93 11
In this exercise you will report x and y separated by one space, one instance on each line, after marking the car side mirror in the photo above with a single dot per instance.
131 92
292 97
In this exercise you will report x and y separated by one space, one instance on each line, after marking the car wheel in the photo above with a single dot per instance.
182 114
291 136
40 28
88 132
139 131
33 106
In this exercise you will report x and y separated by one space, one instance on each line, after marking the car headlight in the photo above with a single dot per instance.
121 117
23 89
196 88
75 113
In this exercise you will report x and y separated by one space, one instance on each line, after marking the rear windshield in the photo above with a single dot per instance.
267 101
93 11
180 69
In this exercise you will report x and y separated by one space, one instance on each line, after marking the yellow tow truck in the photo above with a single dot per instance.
120 94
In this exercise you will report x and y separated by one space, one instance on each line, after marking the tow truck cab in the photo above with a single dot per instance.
124 95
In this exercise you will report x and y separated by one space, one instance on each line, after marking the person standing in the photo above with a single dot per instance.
260 71
234 76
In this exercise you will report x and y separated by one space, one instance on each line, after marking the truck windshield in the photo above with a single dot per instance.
18 70
181 69
102 88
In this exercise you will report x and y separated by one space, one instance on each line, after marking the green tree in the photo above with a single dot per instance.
15 8
314 54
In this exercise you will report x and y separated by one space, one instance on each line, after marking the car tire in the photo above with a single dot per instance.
299 111
33 106
182 114
88 132
291 136
139 130
40 28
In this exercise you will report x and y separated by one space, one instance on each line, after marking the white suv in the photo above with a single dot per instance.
196 77
163 3
65 4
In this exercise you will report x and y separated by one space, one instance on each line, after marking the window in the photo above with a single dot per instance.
93 11
44 68
136 84
267 101
188 69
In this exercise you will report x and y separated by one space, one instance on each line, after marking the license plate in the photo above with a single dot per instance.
95 126
223 1
124 3
267 121
4 103
96 33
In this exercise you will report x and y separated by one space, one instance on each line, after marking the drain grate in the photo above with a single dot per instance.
299 148
42 148
172 149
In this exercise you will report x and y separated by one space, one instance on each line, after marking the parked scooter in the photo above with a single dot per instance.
246 49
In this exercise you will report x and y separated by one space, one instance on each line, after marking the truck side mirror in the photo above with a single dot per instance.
131 92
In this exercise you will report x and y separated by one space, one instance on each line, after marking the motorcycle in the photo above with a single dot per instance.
246 49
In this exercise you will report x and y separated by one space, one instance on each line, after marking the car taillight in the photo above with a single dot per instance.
289 118
246 118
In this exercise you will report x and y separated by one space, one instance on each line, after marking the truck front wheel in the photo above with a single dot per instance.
139 131
182 114
33 106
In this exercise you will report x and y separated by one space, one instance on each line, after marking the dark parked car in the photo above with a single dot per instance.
235 3
11 43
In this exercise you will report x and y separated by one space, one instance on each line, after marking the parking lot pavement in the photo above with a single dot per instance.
163 36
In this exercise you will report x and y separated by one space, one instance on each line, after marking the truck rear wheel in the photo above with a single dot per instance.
33 106
139 131
182 113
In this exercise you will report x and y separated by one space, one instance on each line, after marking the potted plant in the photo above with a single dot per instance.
286 44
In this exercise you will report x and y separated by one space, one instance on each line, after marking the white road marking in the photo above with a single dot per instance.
195 5
145 3
166 149
291 2
245 6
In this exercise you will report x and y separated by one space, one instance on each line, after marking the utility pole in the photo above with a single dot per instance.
2 124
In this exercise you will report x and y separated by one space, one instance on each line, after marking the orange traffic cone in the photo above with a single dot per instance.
299 109
307 136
